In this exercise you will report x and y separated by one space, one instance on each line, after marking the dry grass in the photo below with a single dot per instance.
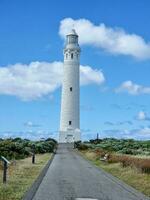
21 175
130 175
141 164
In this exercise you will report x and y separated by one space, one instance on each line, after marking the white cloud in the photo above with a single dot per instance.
37 79
31 124
145 131
142 116
119 123
132 88
140 134
89 75
113 40
30 134
30 81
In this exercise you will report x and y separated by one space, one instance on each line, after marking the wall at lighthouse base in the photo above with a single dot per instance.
69 136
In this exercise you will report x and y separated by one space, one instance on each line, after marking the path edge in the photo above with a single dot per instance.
30 193
120 182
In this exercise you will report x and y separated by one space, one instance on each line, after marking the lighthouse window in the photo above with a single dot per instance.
66 56
72 56
69 122
70 89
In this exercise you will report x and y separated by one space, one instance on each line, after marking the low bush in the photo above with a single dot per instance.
123 146
77 144
81 146
21 148
114 158
126 161
120 150
100 152
143 165
96 141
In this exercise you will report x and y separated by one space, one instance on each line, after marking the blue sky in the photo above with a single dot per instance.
115 85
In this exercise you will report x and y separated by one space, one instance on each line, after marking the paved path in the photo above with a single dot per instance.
71 177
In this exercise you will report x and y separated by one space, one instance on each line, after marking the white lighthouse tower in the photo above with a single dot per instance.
70 102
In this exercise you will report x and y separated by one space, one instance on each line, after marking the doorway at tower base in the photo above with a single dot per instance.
69 136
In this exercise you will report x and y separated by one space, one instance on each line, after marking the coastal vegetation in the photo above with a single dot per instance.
17 148
126 159
21 172
20 176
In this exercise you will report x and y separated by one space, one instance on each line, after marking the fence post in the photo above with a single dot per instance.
33 158
5 165
5 172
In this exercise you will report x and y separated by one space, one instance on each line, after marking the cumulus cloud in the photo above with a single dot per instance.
109 123
38 79
31 124
132 88
31 135
89 75
145 131
113 40
118 123
142 116
142 134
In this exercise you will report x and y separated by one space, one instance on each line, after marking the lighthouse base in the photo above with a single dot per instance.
69 136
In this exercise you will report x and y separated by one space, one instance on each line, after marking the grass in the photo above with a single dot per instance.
21 175
131 176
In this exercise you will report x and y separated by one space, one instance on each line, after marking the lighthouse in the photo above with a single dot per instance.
70 98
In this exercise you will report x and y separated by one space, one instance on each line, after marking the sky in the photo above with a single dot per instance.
114 37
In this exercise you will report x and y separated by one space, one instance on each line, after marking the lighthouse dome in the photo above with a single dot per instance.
72 40
72 32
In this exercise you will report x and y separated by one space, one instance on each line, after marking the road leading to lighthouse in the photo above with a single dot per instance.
71 177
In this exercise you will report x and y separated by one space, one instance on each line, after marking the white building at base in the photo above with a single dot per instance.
70 99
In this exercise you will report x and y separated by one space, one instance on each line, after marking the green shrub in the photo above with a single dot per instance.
18 148
82 146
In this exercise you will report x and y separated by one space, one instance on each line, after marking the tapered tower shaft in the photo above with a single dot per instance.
70 100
